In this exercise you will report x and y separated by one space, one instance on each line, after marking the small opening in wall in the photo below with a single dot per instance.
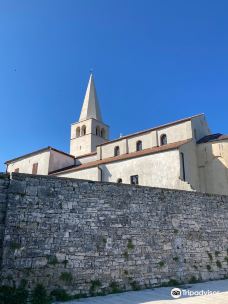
139 145
119 181
117 151
103 132
134 179
163 139
98 131
83 130
183 166
78 132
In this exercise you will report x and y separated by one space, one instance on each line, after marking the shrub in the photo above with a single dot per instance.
95 284
12 295
52 260
193 280
218 263
135 285
39 295
114 287
60 294
130 245
161 263
66 277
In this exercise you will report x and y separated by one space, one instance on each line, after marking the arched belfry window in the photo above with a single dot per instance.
83 130
103 132
163 139
117 151
98 131
139 145
78 132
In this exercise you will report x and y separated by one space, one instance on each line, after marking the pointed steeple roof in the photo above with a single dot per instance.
90 108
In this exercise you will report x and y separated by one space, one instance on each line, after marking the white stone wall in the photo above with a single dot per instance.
59 160
90 174
85 144
191 165
200 127
151 139
213 167
156 170
25 164
87 159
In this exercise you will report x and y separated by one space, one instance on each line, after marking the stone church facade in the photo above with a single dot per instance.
183 154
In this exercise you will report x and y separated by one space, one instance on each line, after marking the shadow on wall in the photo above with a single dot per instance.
106 175
214 173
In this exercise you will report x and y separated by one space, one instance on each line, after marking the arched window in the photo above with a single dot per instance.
117 151
78 132
163 139
103 132
119 181
98 131
139 145
83 130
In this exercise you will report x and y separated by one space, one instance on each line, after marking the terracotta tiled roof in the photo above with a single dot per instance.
122 157
37 152
212 137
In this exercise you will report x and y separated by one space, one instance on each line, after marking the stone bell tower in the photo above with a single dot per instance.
90 130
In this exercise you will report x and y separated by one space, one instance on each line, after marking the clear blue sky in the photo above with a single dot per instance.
154 61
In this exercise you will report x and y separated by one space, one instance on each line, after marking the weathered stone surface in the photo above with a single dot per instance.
69 233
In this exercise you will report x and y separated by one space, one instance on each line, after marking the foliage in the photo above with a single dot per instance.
66 277
15 245
218 263
130 245
12 295
114 287
161 263
135 285
39 295
60 294
193 280
52 260
95 284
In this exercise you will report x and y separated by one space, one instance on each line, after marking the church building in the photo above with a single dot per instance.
183 154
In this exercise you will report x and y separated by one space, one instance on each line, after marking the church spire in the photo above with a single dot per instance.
90 108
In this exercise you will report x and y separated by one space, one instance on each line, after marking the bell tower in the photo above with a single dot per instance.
89 131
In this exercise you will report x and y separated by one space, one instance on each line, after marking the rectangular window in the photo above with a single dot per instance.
34 168
134 179
16 170
183 166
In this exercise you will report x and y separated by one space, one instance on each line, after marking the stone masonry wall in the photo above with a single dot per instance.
89 237
4 184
